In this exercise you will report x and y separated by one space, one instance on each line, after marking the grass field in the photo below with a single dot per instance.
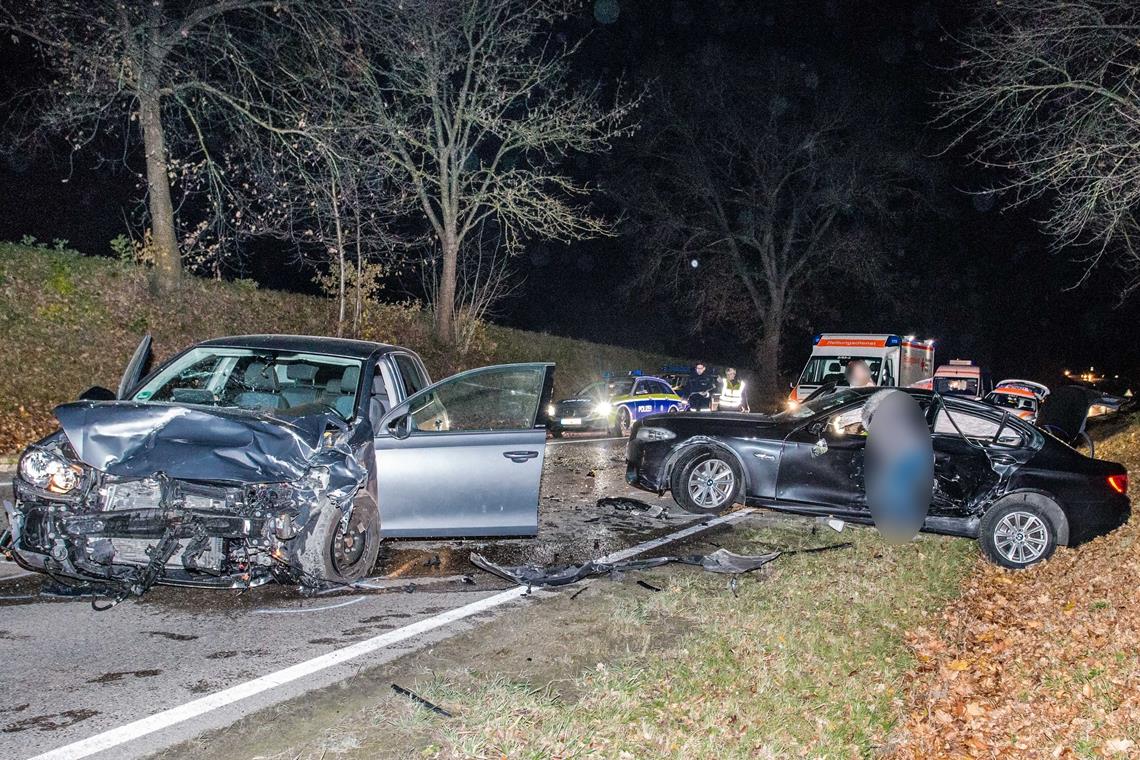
71 321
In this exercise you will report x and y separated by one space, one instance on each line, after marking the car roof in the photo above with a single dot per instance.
313 344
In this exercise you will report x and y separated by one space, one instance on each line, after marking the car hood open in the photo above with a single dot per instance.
132 439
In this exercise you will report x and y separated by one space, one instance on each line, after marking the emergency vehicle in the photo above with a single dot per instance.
613 404
961 377
894 361
1022 397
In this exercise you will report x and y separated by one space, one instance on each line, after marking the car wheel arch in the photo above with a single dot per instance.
1047 503
698 444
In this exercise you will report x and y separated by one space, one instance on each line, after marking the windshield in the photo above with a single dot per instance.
1010 401
606 389
287 384
820 404
832 369
956 386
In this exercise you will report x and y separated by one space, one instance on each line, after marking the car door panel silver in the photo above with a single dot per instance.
456 482
481 484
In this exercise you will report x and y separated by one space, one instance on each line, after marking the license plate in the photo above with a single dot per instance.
571 420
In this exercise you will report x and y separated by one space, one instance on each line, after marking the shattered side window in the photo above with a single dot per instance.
976 427
495 398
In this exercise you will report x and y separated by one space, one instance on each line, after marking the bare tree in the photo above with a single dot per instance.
755 190
1047 94
476 109
144 66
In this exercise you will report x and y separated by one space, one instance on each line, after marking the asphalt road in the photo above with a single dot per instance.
71 673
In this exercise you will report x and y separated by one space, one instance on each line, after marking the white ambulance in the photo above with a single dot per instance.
894 361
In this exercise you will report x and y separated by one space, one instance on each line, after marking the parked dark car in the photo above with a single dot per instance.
1018 490
253 458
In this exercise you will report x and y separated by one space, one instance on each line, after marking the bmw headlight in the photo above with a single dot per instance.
603 408
46 470
551 410
655 434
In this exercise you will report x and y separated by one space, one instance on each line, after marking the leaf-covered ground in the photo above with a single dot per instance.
70 321
1042 663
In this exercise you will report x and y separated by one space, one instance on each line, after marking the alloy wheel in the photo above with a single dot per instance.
712 483
1021 537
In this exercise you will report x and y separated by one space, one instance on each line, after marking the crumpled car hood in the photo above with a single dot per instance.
132 439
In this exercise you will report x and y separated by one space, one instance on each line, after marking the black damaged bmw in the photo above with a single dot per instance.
1018 490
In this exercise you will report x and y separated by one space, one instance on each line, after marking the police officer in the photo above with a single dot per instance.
698 389
732 397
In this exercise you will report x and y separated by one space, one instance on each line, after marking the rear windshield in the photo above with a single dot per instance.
831 369
287 384
956 386
1010 401
606 389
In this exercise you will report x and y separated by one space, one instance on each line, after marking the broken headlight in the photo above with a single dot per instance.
655 434
48 471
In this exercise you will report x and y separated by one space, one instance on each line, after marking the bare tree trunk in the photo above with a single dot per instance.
768 388
356 314
445 292
167 260
341 292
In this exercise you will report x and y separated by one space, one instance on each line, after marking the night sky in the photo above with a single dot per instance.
979 277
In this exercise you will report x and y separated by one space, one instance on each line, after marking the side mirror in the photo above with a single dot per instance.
400 427
97 393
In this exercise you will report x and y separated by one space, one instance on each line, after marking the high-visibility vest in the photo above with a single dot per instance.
731 394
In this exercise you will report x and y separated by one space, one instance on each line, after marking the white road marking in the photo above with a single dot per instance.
5 483
165 719
295 610
633 551
565 441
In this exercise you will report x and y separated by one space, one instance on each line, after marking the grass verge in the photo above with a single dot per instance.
805 658
71 321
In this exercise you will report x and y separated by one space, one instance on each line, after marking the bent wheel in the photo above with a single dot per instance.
333 552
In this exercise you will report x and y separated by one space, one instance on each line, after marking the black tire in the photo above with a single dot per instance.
624 423
1017 532
329 557
711 465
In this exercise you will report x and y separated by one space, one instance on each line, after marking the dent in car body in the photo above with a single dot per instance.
968 478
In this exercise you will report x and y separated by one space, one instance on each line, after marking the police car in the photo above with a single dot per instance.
613 404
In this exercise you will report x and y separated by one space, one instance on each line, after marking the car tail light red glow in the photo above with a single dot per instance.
1118 483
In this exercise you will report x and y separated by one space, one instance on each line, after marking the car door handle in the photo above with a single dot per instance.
518 457
1002 459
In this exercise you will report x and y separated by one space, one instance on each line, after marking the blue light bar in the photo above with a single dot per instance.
816 339
893 340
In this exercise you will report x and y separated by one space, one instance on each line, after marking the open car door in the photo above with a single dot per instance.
464 457
136 367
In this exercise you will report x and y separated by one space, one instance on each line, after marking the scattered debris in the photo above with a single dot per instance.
649 586
720 561
576 593
635 507
836 525
420 700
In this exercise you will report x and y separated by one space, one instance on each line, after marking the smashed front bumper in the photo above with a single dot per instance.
123 536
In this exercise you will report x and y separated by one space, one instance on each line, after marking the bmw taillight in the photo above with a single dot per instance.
1118 483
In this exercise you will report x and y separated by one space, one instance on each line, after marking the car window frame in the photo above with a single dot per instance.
1002 417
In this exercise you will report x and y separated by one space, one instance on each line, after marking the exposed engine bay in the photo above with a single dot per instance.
127 495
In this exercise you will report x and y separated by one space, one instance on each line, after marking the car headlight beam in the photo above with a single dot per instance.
603 408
